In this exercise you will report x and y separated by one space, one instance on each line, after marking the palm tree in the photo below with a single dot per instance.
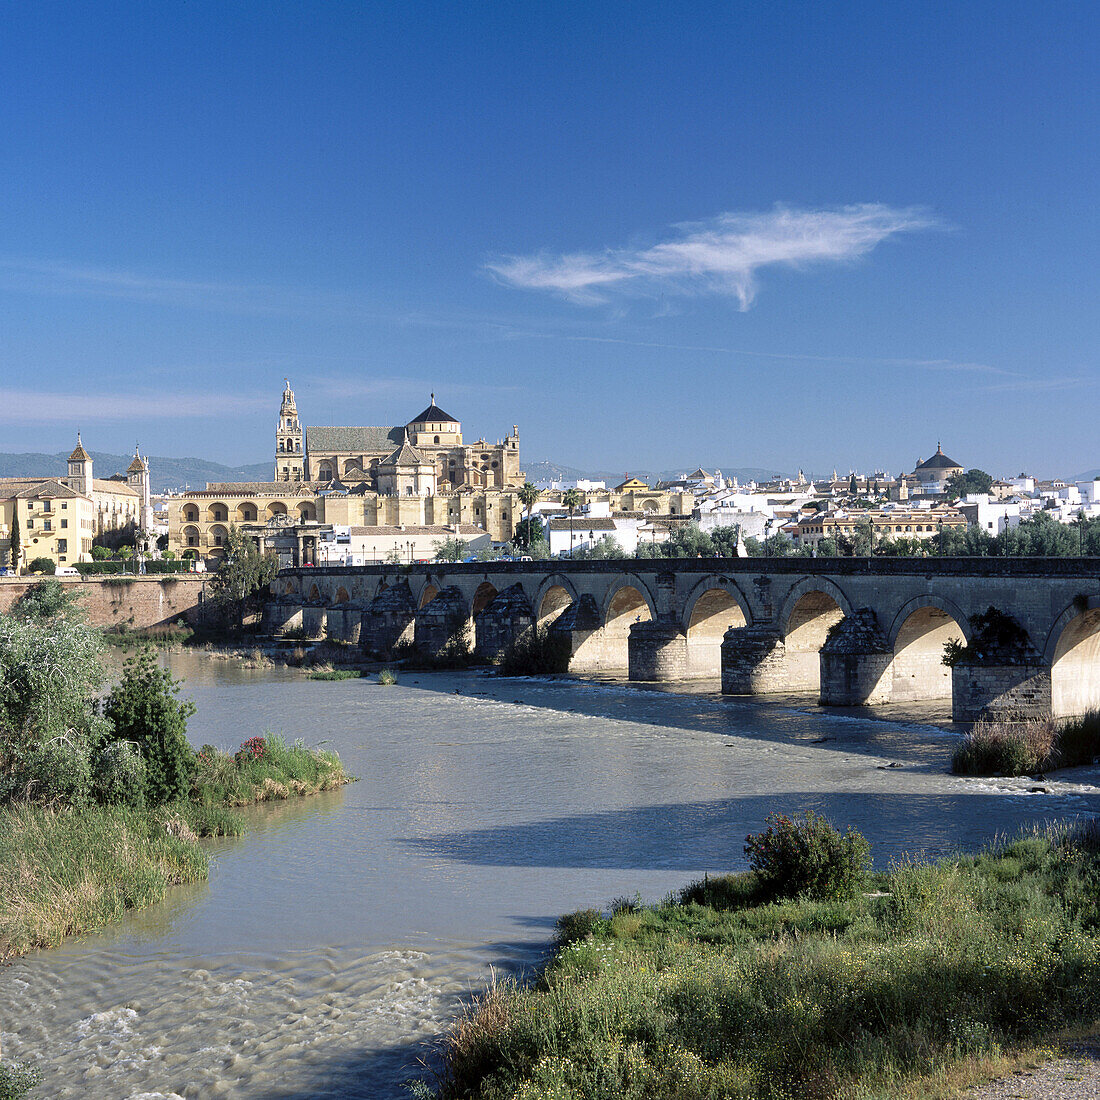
528 497
571 499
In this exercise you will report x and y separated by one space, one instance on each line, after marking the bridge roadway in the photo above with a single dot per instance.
853 630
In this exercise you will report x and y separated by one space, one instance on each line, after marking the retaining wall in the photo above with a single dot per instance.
137 602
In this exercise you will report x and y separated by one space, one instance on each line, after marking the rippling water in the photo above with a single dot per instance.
335 939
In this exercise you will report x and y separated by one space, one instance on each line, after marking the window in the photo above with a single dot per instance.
437 439
63 546
47 525
64 506
65 523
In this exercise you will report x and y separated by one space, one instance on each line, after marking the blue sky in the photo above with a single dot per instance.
653 235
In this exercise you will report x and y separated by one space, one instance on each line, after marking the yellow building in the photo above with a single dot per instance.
58 518
897 523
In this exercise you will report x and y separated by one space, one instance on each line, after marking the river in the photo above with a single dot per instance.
333 942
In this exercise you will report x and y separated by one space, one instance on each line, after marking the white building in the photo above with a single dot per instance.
595 521
338 545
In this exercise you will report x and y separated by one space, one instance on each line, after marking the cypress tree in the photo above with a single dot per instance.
16 549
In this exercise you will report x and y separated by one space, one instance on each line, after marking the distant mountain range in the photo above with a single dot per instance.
178 473
555 471
165 473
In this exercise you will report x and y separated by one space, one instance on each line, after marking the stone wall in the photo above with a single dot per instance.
657 651
1000 691
134 603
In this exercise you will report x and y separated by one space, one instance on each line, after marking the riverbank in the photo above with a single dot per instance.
940 976
70 870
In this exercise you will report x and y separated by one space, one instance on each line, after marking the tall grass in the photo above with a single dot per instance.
873 996
278 771
64 871
1025 746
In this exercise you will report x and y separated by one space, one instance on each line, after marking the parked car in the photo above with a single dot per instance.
66 571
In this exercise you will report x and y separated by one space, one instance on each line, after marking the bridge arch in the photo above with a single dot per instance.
484 595
812 606
626 595
628 601
553 597
713 606
917 636
427 594
1073 652
314 593
341 595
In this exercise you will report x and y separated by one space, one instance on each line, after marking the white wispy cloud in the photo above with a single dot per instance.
721 256
42 407
73 279
962 366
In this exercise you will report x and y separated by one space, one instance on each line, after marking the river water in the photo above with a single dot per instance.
334 941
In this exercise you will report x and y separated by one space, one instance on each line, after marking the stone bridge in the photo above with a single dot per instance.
851 630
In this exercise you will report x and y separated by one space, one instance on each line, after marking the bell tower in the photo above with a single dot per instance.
289 457
80 470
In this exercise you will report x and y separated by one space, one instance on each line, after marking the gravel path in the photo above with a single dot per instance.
1074 1076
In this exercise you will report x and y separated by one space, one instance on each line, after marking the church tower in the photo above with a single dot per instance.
289 458
80 470
137 477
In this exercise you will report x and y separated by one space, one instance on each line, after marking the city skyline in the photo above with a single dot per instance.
768 236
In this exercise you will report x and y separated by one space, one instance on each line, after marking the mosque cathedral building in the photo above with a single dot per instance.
418 474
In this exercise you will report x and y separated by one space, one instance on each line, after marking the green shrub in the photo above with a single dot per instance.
1078 740
576 926
42 565
119 775
57 771
806 856
723 892
337 674
17 1079
211 819
143 708
386 677
1006 747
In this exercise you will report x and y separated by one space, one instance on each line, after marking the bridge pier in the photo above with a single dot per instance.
344 622
314 616
580 622
501 623
657 651
443 623
388 620
279 616
754 661
856 663
1008 690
